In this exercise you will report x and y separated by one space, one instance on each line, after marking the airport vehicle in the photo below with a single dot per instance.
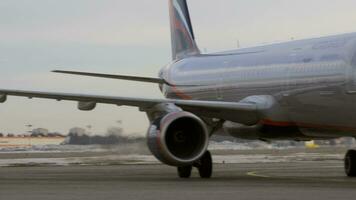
299 90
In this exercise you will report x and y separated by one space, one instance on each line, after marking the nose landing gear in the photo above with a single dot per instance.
204 165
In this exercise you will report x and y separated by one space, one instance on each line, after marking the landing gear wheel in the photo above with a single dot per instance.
350 163
206 166
184 172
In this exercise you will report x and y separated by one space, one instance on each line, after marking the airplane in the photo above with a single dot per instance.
298 90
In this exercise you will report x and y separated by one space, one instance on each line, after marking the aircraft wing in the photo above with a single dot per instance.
245 113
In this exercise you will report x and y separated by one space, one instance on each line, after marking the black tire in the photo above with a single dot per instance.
350 163
184 172
206 166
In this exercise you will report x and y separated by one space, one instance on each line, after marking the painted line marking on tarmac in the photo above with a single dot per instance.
255 174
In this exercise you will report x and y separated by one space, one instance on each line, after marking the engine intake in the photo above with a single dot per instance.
178 138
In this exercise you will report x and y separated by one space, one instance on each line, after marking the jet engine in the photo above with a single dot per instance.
178 138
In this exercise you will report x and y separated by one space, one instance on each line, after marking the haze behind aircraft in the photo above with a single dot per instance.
299 90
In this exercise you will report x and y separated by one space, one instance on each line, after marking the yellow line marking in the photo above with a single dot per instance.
255 174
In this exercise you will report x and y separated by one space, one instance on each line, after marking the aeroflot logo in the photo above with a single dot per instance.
181 16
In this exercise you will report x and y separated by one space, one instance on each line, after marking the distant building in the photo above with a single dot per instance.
78 136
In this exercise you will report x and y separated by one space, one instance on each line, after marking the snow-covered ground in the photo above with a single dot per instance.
102 148
223 152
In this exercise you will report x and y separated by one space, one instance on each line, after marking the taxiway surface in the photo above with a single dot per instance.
289 180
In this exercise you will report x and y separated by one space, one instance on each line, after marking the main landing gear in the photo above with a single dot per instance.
204 165
350 163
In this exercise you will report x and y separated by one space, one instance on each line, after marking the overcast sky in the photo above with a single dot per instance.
130 37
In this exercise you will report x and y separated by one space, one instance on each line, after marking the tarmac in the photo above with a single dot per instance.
292 179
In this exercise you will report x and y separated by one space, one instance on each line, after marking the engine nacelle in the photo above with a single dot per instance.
178 138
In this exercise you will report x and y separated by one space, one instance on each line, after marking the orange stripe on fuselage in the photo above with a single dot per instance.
275 123
181 94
